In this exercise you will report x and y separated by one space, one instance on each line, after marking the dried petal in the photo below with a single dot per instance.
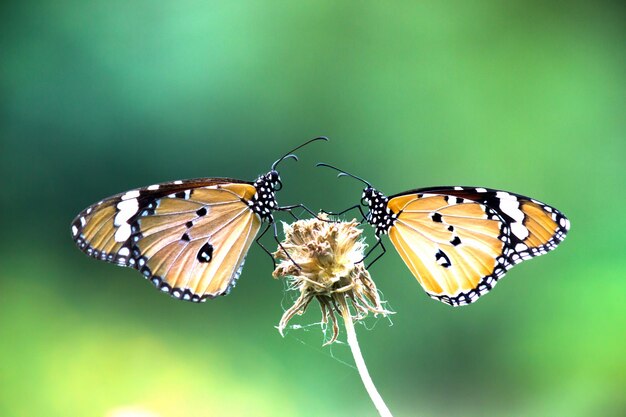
326 253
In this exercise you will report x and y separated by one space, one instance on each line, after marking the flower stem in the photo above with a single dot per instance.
360 362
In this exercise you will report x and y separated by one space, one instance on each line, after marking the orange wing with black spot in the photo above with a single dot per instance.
459 241
189 238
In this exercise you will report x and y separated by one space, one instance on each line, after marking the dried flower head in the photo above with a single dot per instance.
327 268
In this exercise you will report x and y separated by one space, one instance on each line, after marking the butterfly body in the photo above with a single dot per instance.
459 241
189 237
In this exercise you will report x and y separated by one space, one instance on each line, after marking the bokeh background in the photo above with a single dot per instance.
103 96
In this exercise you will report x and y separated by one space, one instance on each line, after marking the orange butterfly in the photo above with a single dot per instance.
459 241
190 237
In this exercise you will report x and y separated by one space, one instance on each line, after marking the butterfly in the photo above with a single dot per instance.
459 241
188 237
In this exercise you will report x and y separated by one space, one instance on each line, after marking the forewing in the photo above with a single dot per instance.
459 241
189 238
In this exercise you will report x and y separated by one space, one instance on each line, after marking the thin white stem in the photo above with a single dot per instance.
360 362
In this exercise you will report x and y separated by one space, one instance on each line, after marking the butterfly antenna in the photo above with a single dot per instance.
290 153
344 173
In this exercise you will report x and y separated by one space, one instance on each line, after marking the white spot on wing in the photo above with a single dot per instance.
131 194
510 206
123 233
123 252
74 230
519 230
126 210
154 187
178 182
520 247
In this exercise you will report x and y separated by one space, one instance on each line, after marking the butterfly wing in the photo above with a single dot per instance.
189 238
459 241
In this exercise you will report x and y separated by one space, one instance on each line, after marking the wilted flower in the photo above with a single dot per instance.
321 259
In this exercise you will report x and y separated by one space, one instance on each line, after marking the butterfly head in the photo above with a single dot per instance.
370 195
272 179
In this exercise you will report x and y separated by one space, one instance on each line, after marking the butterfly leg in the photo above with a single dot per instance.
358 206
258 241
378 243
302 206
280 245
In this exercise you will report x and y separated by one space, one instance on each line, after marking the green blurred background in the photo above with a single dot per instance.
104 96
